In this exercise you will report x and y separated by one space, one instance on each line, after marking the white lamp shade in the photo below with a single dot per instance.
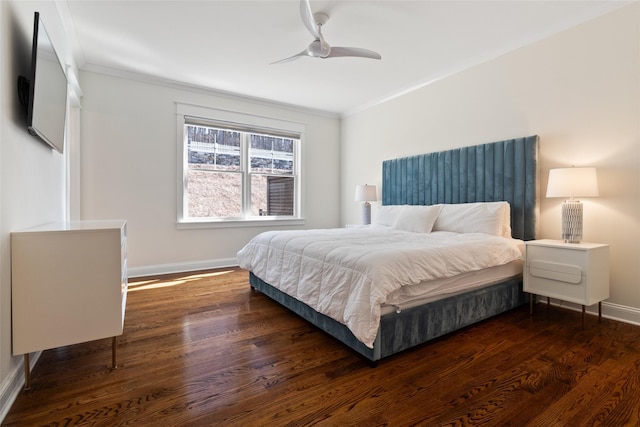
573 182
365 193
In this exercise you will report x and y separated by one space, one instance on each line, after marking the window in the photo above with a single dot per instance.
237 168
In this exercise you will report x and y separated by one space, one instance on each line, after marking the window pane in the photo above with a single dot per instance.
259 195
272 195
214 194
214 149
271 154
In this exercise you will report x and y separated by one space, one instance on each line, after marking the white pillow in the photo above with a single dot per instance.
418 219
386 215
484 217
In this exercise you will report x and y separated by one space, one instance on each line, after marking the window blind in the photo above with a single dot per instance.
240 127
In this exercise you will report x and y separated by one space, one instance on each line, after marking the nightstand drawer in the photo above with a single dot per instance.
554 271
560 256
556 284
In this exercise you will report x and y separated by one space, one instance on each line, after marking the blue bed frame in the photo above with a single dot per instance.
505 170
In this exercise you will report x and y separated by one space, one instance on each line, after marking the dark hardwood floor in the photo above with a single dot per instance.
203 349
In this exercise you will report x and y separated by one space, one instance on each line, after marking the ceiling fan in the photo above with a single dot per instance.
319 48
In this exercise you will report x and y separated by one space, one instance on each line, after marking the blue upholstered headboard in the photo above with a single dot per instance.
505 170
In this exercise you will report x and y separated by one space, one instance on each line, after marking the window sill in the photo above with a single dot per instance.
238 223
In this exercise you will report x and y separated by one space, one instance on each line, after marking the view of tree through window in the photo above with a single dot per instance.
219 175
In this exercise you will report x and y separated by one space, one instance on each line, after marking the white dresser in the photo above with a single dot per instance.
68 284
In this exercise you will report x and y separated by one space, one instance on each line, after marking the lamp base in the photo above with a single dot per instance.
366 213
572 221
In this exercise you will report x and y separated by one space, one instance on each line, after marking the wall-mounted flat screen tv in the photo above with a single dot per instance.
44 91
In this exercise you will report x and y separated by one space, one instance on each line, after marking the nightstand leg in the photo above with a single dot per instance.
113 353
548 301
27 372
530 304
583 310
600 312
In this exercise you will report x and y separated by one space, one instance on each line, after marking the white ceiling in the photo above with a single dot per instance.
228 46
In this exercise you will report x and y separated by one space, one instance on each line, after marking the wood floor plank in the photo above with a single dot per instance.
203 349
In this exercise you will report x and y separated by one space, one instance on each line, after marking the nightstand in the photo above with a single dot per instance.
572 272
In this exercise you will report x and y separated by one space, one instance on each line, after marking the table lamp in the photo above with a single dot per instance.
572 182
366 193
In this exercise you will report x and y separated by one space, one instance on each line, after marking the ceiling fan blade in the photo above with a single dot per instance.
319 48
353 51
292 58
308 20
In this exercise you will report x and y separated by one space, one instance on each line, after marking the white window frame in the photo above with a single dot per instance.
242 120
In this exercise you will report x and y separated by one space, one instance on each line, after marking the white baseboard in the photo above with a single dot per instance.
13 384
610 310
180 267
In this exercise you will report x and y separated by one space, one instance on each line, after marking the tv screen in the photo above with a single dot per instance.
47 90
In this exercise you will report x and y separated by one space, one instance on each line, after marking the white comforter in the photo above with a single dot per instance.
348 273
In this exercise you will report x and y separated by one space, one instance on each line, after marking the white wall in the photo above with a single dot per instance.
578 90
32 175
129 170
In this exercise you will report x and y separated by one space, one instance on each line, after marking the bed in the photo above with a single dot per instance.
494 174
